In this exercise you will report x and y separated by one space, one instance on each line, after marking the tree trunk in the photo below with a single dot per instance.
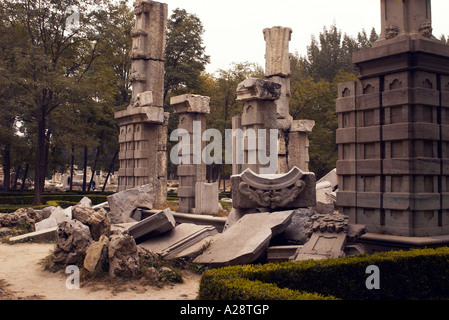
94 167
16 178
85 170
40 160
7 168
72 164
111 168
25 176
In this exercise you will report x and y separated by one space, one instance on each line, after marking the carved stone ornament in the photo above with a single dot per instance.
391 32
295 189
273 198
426 30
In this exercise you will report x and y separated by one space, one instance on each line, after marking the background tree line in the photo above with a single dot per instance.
64 72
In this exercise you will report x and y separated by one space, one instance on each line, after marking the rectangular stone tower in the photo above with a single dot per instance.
393 136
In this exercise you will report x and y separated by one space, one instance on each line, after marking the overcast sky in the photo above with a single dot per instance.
234 28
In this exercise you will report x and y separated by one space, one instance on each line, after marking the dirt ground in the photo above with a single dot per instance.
22 277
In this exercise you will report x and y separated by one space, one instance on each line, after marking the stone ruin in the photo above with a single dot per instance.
390 176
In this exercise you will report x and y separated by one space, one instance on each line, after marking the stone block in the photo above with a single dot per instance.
302 126
258 89
46 234
206 198
122 204
189 103
277 54
85 202
246 240
49 223
153 226
295 189
181 238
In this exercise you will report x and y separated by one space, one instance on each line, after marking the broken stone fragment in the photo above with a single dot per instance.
96 259
23 218
153 226
246 240
73 240
123 204
258 89
98 221
123 256
85 202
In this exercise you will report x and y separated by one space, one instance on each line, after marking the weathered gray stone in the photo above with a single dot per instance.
123 256
21 217
97 255
258 89
73 241
324 201
61 215
245 241
181 238
295 189
122 204
98 221
153 226
277 54
190 103
299 230
328 240
49 223
85 202
206 198
47 234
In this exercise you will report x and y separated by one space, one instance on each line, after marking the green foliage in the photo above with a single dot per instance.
415 274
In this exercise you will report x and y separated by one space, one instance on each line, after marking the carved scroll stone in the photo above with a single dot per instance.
295 189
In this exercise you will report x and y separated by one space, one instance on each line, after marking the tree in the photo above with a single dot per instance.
57 49
185 54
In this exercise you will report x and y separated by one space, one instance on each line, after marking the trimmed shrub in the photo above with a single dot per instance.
415 274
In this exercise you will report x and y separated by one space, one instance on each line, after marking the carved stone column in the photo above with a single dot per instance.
259 113
143 126
192 110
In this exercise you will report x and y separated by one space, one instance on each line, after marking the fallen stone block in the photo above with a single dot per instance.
181 238
47 234
61 215
122 204
160 223
332 178
45 224
246 240
85 202
299 230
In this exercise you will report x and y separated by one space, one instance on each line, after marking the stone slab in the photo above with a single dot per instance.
179 239
48 234
122 204
206 198
153 226
45 224
246 240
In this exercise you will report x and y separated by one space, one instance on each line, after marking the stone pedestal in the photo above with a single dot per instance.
392 128
259 116
192 110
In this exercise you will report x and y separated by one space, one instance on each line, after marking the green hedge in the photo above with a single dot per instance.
27 199
404 275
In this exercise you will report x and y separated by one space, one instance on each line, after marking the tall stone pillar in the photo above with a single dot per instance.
293 141
143 126
259 113
392 128
192 110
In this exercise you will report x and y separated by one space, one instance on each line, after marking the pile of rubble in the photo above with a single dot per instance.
273 218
